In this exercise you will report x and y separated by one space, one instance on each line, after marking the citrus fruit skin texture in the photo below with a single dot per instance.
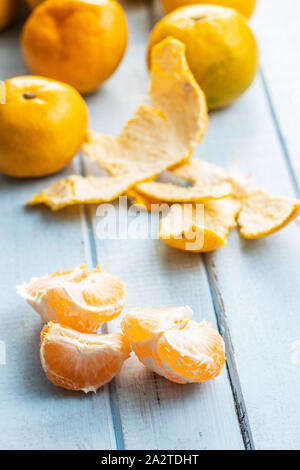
75 41
246 7
42 126
78 361
221 49
169 343
8 9
78 298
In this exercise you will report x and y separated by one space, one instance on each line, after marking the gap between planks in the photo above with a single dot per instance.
110 388
232 370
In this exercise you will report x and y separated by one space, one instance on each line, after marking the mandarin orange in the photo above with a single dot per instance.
79 42
78 361
169 343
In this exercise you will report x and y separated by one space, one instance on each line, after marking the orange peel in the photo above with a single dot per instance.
207 182
78 361
200 228
144 202
78 298
77 189
169 343
262 215
155 139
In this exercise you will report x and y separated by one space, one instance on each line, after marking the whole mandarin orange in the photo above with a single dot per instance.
246 7
42 126
79 42
221 49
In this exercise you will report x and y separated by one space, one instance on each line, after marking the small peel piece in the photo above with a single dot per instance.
155 139
200 228
78 298
262 215
208 182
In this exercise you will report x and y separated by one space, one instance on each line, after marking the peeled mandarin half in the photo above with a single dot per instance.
80 299
78 361
169 343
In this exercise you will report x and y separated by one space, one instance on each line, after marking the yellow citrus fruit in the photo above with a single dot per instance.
42 126
8 9
169 343
79 361
246 7
221 49
33 3
75 41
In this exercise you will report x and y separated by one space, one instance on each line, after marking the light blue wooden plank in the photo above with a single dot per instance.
154 413
259 280
35 414
277 27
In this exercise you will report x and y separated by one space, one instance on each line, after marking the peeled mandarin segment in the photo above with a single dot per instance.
169 343
207 182
199 228
78 361
195 353
262 215
155 139
81 303
145 324
30 291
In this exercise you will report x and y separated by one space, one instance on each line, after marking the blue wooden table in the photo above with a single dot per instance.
250 290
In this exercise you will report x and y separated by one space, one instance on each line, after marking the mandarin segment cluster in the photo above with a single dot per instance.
74 304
